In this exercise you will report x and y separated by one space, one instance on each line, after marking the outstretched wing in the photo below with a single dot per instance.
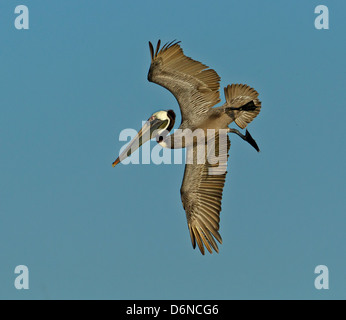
201 194
194 85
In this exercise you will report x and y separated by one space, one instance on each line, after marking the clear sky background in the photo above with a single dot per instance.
78 77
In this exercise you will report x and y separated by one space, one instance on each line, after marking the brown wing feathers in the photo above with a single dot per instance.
173 59
195 86
201 194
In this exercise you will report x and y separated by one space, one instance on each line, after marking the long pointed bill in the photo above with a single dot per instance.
144 135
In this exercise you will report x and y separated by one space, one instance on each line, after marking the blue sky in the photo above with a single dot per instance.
78 77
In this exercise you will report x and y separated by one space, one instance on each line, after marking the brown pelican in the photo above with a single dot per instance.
196 88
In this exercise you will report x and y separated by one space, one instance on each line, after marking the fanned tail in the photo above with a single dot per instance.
246 99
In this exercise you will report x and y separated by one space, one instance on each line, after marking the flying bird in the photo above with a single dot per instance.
196 88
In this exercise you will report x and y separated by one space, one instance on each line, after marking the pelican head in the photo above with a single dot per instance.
159 124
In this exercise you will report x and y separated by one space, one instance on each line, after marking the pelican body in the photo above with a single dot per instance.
196 88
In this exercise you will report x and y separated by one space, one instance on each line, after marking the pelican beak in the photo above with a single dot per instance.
144 135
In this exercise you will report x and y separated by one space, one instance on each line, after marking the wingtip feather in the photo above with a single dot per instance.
151 50
157 48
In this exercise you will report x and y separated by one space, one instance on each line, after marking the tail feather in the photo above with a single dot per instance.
246 98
